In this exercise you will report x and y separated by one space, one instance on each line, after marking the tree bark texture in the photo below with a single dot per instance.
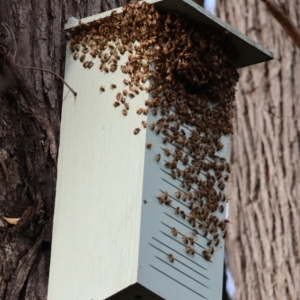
30 109
264 244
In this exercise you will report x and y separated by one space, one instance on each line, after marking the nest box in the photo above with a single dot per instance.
142 169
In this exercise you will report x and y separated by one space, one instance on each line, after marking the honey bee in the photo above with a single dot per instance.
209 242
217 241
168 201
136 131
185 239
126 81
149 145
101 88
82 58
225 233
182 213
174 231
124 112
145 111
178 194
75 55
171 258
157 157
126 105
167 151
113 86
191 239
212 250
131 95
116 104
221 208
206 255
125 92
152 126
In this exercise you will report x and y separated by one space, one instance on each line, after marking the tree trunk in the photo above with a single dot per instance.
30 102
264 245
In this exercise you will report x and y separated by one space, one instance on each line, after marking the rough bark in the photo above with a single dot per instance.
30 104
264 245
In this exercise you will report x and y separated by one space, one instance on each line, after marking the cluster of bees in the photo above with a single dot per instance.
192 79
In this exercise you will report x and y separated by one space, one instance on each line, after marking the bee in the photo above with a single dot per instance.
168 201
178 194
145 111
113 86
82 58
217 241
195 232
149 145
126 81
131 95
126 105
212 250
225 233
182 213
185 239
116 104
206 255
191 239
136 131
221 208
152 126
154 111
209 242
125 92
139 111
119 96
101 88
157 157
174 231
171 258
167 151
177 210
75 55
124 113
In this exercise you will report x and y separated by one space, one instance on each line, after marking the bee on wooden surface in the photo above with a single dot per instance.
217 241
177 210
191 239
126 81
154 111
131 95
206 254
178 194
168 201
119 96
195 231
126 105
139 111
185 239
116 104
221 185
145 111
149 145
212 250
167 151
75 55
144 124
221 208
113 86
124 113
136 131
182 213
174 231
101 88
125 92
171 258
157 157
209 242
82 58
225 234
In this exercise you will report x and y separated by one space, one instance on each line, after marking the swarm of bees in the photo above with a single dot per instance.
192 77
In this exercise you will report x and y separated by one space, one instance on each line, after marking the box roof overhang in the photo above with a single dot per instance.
249 51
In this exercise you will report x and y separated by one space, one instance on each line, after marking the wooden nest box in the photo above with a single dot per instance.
142 170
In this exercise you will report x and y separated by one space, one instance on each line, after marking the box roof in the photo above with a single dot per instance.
250 52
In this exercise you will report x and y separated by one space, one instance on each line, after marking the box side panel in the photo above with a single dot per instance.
99 188
189 276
